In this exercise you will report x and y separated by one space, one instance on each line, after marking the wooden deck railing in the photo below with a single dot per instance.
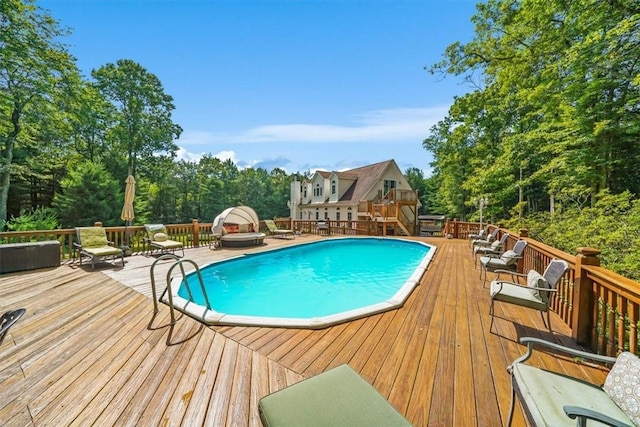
601 308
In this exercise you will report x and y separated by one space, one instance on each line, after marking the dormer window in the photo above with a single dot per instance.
305 192
317 191
333 187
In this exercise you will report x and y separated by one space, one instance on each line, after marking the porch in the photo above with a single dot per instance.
87 350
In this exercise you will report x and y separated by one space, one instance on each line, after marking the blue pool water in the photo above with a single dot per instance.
309 280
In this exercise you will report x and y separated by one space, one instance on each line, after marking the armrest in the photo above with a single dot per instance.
512 273
77 245
531 342
583 414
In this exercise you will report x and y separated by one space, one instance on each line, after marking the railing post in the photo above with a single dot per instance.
523 232
455 228
583 296
195 232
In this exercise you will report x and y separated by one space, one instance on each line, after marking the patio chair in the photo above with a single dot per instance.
495 248
8 319
557 399
323 226
480 235
92 242
337 397
485 241
535 294
158 238
508 260
278 232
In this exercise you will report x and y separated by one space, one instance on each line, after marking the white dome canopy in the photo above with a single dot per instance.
236 215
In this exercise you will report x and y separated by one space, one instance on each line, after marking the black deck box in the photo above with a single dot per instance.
29 256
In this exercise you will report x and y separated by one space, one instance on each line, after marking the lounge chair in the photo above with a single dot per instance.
278 232
495 248
337 397
536 294
158 238
323 226
557 399
92 242
485 241
8 319
508 260
480 235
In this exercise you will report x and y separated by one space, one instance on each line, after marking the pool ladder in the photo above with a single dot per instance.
179 262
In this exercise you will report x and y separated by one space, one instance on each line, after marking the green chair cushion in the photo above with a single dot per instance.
520 295
102 251
92 237
167 244
545 393
337 397
152 229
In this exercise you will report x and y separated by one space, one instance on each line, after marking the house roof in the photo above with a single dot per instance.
364 178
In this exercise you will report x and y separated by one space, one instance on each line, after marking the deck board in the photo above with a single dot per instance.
89 352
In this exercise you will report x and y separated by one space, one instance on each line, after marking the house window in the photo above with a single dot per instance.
349 215
337 214
317 191
305 192
333 187
389 185
326 214
317 214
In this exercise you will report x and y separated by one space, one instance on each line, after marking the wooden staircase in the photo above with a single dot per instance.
397 207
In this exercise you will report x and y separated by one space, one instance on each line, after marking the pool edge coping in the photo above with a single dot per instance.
213 318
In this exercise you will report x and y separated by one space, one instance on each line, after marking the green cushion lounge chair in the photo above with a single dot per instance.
278 232
557 399
92 242
337 397
158 238
508 260
535 294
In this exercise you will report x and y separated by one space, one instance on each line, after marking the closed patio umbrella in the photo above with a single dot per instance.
127 214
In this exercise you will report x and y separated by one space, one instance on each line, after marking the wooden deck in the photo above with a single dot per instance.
86 353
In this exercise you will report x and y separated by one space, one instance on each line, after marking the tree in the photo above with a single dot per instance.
89 194
553 114
33 68
143 127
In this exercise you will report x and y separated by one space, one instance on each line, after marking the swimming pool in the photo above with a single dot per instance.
310 285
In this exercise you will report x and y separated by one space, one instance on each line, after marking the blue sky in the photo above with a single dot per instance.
296 84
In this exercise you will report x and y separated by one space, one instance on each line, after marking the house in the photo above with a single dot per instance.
378 192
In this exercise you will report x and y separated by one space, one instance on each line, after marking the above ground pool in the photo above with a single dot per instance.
309 285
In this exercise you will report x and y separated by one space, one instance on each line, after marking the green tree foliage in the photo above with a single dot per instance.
553 114
89 194
143 127
612 226
34 69
37 219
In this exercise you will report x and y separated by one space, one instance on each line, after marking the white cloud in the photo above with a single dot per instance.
375 126
389 133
